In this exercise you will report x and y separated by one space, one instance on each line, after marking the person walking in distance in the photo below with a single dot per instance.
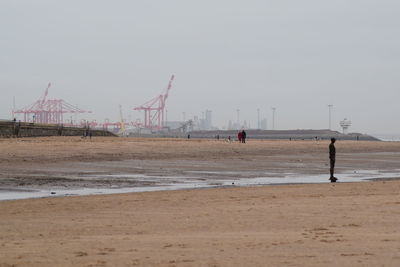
244 135
239 136
332 157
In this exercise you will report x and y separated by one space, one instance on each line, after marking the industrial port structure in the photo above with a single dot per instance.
154 109
48 111
54 111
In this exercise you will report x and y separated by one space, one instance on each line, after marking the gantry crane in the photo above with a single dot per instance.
48 111
154 109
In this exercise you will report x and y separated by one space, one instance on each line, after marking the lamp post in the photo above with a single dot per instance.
273 118
330 106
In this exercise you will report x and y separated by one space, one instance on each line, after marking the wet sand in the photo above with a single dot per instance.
72 163
349 224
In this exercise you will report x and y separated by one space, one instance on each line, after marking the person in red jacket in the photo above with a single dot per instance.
240 137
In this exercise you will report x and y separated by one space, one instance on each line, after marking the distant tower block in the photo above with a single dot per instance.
345 124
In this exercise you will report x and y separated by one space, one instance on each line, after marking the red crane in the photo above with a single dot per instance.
154 109
48 111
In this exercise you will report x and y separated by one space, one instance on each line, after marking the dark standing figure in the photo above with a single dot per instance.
90 135
332 157
240 137
60 129
17 127
244 137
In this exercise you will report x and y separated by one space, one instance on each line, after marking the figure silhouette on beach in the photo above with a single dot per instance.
244 136
332 157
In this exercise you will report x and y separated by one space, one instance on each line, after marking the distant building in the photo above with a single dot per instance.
172 125
234 126
230 125
208 120
263 124
345 124
205 123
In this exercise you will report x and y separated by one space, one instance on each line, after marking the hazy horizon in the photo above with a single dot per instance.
297 56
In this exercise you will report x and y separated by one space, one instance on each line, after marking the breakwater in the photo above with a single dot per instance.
286 134
25 129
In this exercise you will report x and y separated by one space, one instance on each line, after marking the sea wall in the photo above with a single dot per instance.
286 134
25 129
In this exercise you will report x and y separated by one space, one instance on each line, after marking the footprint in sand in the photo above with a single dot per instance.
323 235
349 255
351 225
319 229
105 251
80 253
327 241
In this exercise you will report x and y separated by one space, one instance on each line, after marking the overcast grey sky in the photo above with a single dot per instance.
295 55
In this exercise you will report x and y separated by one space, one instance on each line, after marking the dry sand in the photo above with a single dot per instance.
344 224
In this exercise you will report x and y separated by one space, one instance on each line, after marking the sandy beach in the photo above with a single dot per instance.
72 162
347 224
